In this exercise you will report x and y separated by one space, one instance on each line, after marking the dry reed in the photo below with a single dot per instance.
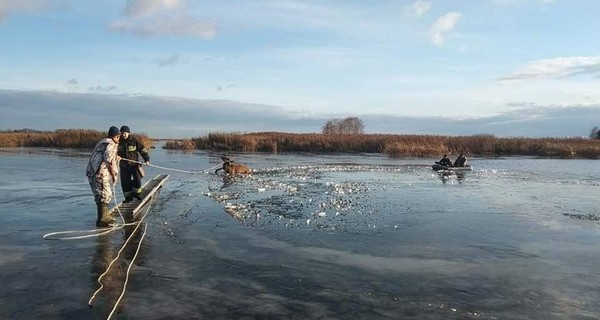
396 145
61 138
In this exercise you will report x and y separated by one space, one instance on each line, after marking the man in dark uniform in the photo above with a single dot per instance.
131 173
445 161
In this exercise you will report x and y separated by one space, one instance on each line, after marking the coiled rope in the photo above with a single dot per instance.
91 232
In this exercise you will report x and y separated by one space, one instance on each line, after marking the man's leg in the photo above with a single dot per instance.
101 186
136 183
126 183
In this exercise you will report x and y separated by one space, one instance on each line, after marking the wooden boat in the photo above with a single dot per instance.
133 210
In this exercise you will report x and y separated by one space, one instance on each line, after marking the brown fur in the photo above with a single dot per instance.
231 168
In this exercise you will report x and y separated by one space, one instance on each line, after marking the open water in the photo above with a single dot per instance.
308 237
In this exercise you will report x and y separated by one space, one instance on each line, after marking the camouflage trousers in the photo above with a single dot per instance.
101 187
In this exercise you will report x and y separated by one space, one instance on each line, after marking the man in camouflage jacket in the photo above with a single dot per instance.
102 172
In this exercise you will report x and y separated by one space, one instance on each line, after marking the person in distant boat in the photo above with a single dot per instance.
131 172
445 161
460 161
102 172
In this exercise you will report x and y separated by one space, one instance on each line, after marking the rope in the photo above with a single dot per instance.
131 263
117 257
93 232
103 231
171 169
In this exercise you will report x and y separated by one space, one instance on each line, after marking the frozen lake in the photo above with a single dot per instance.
309 237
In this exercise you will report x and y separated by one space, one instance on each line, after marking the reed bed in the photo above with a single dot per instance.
61 138
394 145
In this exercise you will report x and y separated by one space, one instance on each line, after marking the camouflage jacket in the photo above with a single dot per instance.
103 160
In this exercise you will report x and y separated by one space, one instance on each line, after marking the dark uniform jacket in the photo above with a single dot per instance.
445 162
129 149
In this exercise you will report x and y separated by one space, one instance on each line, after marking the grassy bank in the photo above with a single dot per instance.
393 145
62 138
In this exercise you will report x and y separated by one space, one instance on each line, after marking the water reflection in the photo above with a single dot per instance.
113 279
446 176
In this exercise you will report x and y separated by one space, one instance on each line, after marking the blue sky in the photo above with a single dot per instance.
452 62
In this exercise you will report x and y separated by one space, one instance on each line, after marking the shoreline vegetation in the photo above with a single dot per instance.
61 138
393 145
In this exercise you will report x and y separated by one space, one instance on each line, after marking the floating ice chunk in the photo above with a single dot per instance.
322 214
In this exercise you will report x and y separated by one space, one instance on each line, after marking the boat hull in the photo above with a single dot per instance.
439 167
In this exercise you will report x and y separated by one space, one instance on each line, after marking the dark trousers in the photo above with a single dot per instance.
131 180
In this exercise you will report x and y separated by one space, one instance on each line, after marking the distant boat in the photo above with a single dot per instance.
438 167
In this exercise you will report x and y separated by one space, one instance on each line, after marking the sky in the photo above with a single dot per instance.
177 68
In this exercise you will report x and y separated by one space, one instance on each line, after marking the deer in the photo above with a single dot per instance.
231 168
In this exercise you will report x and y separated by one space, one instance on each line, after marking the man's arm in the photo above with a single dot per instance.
142 151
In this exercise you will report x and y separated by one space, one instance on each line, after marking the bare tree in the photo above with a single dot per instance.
350 125
594 133
331 127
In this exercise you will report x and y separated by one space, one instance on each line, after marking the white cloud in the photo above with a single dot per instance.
9 6
182 25
419 8
137 8
151 18
442 26
556 68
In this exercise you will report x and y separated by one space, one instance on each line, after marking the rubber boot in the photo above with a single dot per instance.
128 199
104 219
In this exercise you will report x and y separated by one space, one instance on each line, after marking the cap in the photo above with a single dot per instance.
113 131
125 129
